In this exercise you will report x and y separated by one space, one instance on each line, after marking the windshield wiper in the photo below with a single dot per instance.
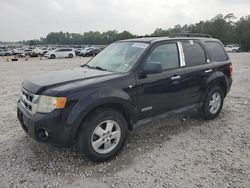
85 65
92 67
99 68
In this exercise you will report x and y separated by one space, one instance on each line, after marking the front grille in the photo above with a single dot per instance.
27 100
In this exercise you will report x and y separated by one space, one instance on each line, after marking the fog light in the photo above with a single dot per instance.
43 133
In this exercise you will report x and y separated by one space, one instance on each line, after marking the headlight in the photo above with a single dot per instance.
47 104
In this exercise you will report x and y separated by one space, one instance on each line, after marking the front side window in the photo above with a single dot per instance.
166 54
216 51
194 53
118 57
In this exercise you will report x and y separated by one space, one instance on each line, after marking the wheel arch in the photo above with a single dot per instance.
218 79
124 109
109 98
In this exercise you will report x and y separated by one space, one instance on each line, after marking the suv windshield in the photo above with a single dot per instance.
118 57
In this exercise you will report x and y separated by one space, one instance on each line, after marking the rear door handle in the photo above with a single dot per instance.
208 70
177 77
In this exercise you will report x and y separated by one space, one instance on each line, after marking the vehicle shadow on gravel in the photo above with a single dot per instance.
52 160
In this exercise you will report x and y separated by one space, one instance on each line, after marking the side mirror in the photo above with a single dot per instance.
152 68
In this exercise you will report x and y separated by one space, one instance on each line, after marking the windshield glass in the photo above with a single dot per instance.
118 57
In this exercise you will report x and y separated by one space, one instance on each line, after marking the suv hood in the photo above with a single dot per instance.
66 79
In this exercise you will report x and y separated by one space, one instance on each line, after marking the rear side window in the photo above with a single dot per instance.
166 54
216 51
194 53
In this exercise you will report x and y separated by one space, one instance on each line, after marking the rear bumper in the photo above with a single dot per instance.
48 128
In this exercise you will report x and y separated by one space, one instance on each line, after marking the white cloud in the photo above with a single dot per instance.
28 19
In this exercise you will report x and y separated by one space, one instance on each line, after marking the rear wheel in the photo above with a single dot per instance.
70 55
103 135
213 103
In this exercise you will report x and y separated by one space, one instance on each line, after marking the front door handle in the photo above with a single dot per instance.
177 77
208 70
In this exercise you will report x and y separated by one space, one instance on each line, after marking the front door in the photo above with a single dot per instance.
162 92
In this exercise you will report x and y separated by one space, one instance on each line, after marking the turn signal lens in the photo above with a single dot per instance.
60 102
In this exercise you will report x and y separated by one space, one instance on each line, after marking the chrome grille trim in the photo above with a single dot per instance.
28 100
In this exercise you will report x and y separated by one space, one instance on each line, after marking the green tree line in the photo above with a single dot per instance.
224 27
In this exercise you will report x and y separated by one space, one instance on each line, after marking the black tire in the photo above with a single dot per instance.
70 55
52 56
205 110
95 119
7 54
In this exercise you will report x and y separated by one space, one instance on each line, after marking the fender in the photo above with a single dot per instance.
106 96
216 77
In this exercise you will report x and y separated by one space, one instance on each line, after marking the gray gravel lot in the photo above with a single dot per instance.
179 151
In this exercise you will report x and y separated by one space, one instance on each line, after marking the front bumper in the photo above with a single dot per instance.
49 128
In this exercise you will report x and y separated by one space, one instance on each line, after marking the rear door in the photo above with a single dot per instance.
198 69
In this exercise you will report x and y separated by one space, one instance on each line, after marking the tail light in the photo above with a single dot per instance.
231 70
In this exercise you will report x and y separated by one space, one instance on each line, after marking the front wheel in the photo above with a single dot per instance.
103 134
213 103
70 55
52 56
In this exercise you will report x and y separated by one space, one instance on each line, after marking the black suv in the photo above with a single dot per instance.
129 83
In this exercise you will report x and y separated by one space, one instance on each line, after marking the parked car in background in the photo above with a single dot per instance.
4 52
92 52
232 48
18 51
78 51
40 51
43 51
26 52
47 50
89 51
35 52
60 53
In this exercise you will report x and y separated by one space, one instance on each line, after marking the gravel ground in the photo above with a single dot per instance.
179 151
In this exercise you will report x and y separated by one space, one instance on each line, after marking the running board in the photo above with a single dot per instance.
163 115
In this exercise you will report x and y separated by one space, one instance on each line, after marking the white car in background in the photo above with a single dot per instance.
18 51
40 51
60 53
232 48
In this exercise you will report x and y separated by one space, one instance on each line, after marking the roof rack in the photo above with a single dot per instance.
189 35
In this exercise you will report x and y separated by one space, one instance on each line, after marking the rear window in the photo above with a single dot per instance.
216 51
194 53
